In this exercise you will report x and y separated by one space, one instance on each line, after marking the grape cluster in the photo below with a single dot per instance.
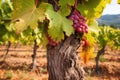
79 22
50 41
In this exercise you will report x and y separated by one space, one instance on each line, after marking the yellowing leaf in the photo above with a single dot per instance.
0 2
90 39
92 8
109 1
20 25
87 48
26 10
118 1
87 54
11 39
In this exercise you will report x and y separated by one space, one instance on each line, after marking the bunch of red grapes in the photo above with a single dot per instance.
79 22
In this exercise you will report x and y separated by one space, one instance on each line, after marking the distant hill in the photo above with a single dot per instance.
112 20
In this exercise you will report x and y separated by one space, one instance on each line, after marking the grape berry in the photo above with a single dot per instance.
79 22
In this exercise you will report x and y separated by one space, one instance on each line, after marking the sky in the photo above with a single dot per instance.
112 8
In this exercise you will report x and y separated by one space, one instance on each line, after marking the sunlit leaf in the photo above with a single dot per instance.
92 8
93 26
58 25
27 11
118 1
20 26
65 6
67 28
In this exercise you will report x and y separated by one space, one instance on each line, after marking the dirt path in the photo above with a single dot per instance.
18 61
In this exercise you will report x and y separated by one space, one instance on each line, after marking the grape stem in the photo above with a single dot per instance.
75 4
55 2
36 3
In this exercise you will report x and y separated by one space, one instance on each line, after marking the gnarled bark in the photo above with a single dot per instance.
63 63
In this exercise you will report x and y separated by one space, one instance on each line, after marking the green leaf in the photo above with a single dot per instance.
105 36
58 25
67 28
93 26
55 29
42 33
56 33
2 30
5 37
6 10
26 13
9 27
65 6
68 2
6 6
1 15
21 7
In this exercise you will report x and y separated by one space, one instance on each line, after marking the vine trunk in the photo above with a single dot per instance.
63 62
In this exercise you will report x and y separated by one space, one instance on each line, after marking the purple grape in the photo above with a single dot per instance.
75 21
75 26
79 22
50 41
76 17
86 30
79 29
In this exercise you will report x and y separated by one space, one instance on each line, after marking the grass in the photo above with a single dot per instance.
8 75
17 75
88 77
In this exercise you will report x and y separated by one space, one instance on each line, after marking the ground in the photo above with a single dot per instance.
18 61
